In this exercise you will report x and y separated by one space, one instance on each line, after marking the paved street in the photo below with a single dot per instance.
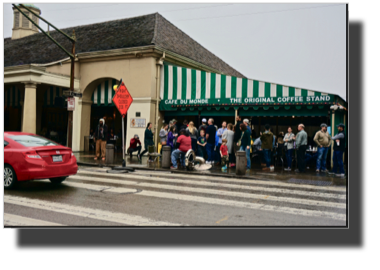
94 197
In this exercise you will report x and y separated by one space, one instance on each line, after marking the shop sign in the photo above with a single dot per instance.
70 104
138 123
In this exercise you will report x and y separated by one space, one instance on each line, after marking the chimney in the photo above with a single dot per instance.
22 27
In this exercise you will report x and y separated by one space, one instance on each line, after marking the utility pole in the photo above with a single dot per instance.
71 55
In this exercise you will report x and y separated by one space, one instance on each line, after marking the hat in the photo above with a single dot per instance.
246 121
323 125
204 120
341 125
136 136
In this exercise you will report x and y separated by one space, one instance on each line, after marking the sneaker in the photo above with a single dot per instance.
340 175
297 171
208 162
317 171
287 169
173 168
95 158
138 156
103 158
325 171
212 162
331 173
307 168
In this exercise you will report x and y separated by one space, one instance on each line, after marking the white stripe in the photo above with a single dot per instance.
102 94
181 196
162 82
188 83
48 96
285 91
298 92
15 220
273 92
170 82
96 95
208 85
85 212
228 86
198 83
110 89
310 93
261 89
239 86
179 83
170 179
250 88
217 85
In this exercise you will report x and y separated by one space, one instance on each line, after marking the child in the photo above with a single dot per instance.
224 154
201 144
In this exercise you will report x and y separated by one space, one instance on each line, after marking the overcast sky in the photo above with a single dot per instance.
301 45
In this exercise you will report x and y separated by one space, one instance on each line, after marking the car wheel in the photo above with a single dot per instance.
10 178
57 180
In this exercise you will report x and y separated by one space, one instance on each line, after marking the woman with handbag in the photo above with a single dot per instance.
163 136
289 140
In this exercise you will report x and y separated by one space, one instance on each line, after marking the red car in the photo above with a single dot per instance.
28 156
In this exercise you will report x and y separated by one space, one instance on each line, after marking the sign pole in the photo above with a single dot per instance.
122 126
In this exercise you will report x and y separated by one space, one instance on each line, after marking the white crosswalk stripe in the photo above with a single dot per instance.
262 195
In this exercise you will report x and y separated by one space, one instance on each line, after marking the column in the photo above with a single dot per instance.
332 134
30 108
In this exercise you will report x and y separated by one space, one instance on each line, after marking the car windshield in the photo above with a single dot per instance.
30 140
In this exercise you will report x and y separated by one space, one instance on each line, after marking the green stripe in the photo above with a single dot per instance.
175 82
184 82
303 93
51 95
317 93
113 92
233 87
222 86
279 90
106 92
203 84
212 85
166 81
193 84
255 89
244 88
14 96
291 92
267 90
99 94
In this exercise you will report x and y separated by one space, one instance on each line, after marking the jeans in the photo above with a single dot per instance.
217 153
301 158
338 162
210 152
176 155
137 149
322 156
267 157
289 155
201 151
194 145
248 155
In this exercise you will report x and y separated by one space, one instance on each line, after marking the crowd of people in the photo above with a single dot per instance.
218 146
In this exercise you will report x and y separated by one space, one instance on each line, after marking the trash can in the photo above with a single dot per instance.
110 151
87 143
241 162
166 156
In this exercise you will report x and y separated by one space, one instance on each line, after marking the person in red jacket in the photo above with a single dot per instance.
133 146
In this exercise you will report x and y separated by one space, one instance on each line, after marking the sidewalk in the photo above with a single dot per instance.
309 177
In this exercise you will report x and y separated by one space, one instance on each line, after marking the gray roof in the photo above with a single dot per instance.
152 29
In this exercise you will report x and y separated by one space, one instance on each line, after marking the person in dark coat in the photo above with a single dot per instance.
100 136
148 140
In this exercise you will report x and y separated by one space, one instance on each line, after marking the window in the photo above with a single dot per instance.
30 140
5 143
17 20
25 21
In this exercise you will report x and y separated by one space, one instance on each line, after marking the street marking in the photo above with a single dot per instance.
126 219
207 183
207 191
223 219
15 220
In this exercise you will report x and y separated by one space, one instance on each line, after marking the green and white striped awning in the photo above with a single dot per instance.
103 93
12 97
52 93
184 87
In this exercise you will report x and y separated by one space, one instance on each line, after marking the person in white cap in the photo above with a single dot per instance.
100 136
202 127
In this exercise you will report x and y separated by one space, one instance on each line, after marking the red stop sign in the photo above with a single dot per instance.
122 99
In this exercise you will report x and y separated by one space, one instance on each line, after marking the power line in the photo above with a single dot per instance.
255 13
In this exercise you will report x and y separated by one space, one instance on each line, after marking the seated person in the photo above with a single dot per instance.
183 145
133 146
